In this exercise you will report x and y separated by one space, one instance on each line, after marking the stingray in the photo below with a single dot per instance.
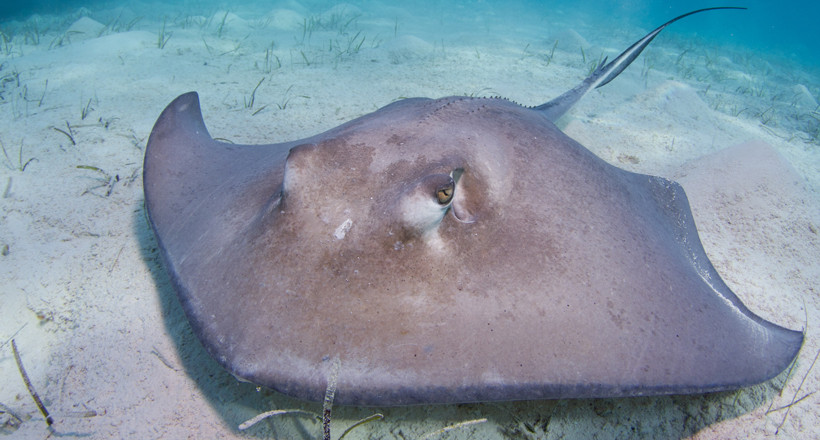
446 250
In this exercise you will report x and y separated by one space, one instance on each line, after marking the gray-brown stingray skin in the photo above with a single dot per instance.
553 274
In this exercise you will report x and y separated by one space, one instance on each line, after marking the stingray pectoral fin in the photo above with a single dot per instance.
190 177
199 192
752 348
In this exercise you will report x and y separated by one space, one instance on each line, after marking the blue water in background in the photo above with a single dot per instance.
782 29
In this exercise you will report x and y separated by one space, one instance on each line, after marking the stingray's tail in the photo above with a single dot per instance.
607 72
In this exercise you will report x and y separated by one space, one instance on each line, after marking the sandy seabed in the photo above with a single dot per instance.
98 325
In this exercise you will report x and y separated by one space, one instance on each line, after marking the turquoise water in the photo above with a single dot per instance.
785 29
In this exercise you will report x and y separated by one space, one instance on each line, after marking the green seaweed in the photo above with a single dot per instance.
163 36
87 109
68 132
20 166
221 27
249 101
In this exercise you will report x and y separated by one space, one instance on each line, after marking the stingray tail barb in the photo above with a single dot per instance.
605 73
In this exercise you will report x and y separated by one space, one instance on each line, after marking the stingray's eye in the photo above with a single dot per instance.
444 194
426 201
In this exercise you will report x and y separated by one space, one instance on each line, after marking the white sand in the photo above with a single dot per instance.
100 330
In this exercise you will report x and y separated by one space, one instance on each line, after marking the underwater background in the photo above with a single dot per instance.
785 29
82 288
